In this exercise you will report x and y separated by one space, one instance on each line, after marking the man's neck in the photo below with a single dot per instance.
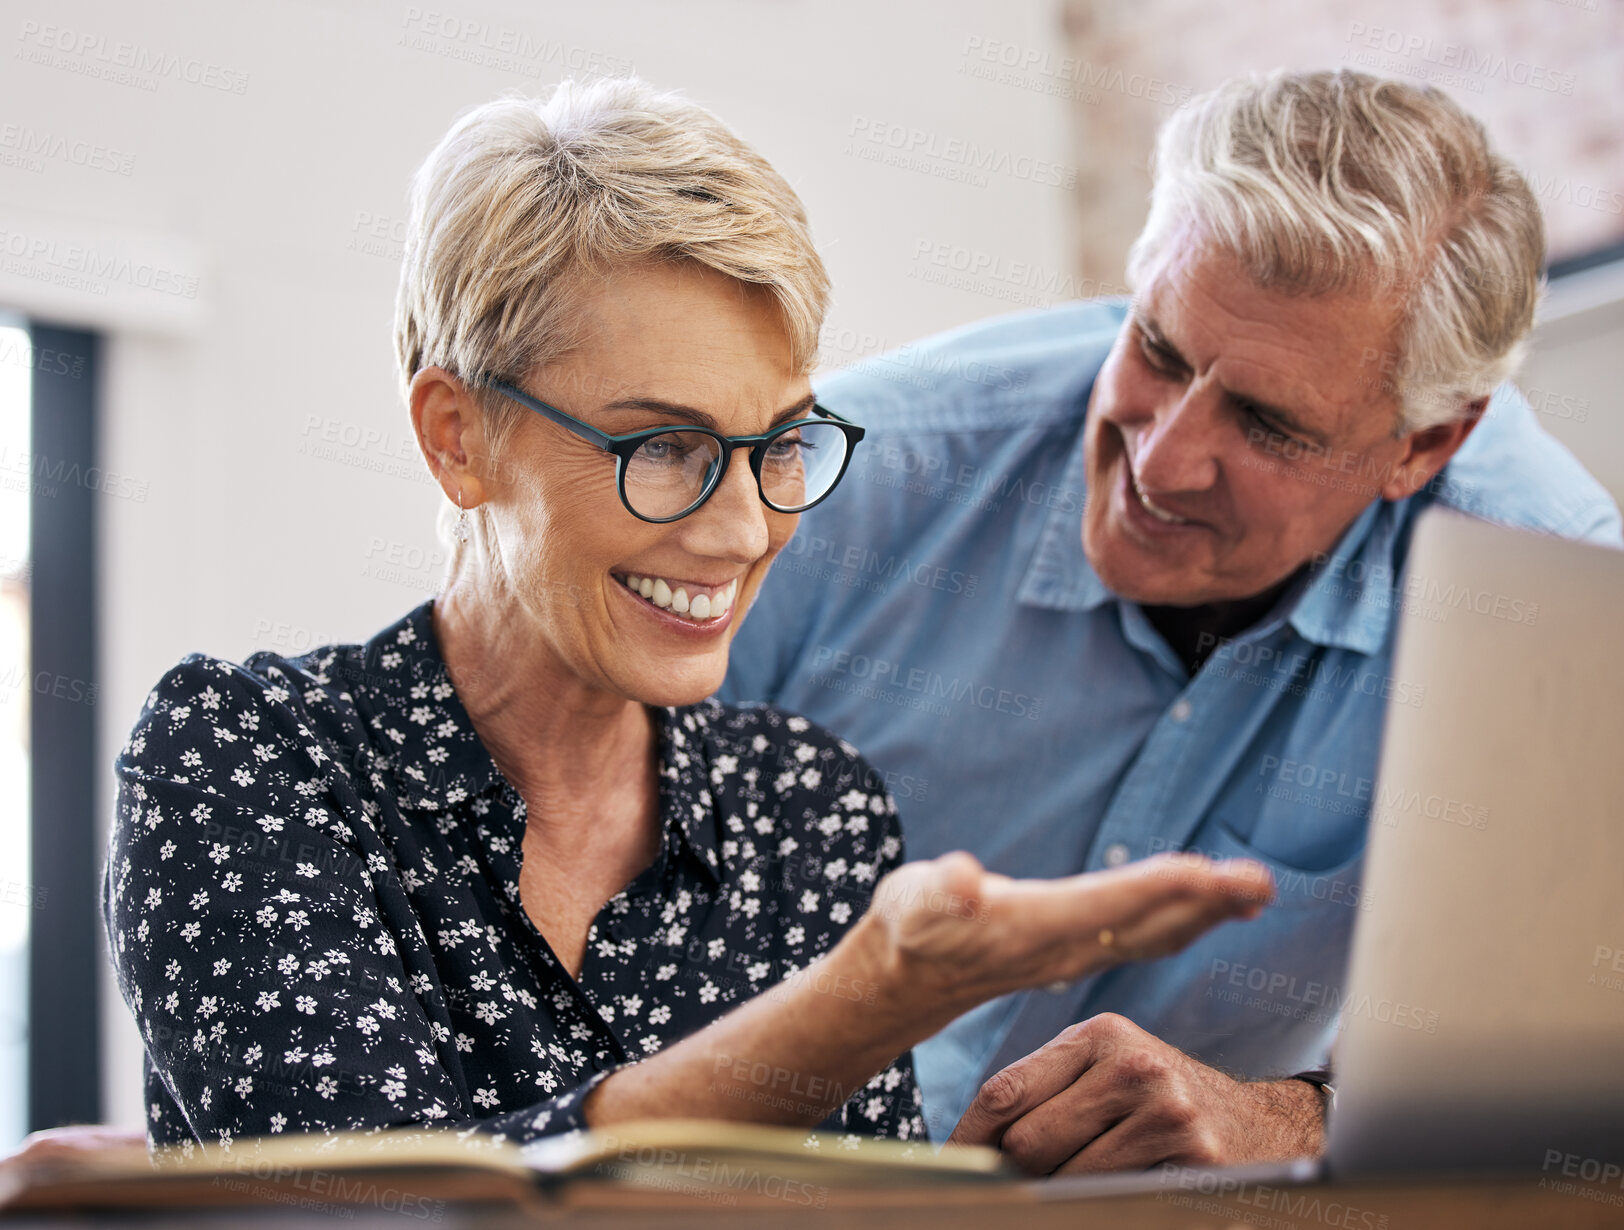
1196 632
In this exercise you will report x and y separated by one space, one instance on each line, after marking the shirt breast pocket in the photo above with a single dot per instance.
1274 987
1299 886
1259 998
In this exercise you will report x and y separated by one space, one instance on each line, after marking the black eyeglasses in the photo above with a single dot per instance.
664 473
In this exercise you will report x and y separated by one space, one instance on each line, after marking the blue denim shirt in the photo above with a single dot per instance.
939 612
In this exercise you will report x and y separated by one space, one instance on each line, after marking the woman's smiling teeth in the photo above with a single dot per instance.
700 605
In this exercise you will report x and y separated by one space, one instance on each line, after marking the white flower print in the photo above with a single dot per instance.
369 799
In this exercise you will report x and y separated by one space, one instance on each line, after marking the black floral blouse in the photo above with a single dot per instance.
312 901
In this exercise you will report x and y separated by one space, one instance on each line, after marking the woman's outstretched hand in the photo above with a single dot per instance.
954 935
939 938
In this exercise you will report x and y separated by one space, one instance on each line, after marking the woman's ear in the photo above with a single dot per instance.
451 432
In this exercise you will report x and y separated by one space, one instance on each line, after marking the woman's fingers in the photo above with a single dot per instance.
1165 902
966 931
1063 929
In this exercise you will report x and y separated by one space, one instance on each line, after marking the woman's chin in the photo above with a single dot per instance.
675 688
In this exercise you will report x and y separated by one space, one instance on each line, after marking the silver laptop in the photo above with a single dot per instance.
1484 1020
1482 1016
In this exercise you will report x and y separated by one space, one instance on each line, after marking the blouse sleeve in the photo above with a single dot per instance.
219 886
891 1105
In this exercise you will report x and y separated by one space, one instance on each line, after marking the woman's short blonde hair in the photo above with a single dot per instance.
1324 182
524 199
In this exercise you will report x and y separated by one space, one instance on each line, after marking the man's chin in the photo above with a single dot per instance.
1133 574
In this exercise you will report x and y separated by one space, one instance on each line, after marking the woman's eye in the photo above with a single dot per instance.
786 448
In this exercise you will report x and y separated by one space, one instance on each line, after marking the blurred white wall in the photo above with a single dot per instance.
1576 366
264 151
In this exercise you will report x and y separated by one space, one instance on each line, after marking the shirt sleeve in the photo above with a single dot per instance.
218 888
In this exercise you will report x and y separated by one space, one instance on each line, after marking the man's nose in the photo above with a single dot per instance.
1177 450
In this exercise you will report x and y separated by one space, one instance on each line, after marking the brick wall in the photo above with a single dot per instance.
1545 76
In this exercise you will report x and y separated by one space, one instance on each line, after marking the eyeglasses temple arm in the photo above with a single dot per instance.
585 430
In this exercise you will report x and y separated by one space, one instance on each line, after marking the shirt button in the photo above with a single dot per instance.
1116 854
1180 711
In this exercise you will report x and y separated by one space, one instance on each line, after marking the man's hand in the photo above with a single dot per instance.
1106 1095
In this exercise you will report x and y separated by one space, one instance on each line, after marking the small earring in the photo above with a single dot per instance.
460 530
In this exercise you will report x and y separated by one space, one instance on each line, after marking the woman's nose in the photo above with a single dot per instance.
732 523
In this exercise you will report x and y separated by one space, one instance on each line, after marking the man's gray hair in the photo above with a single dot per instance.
1334 182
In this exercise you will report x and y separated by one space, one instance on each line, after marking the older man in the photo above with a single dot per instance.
1330 292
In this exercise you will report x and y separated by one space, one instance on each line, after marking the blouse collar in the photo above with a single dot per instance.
439 763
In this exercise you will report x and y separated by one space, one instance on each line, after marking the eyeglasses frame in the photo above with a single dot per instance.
622 447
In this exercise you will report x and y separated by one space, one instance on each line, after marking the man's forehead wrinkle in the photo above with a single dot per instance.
1301 396
1206 336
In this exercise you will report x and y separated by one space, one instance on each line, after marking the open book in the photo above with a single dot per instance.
418 1171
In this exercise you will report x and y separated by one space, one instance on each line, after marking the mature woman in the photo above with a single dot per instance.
504 864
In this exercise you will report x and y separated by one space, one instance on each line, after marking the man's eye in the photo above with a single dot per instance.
1262 428
1158 358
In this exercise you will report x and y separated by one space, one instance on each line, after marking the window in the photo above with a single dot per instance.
16 894
50 934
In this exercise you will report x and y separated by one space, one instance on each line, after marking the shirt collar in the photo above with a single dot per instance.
439 762
1060 576
1345 602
